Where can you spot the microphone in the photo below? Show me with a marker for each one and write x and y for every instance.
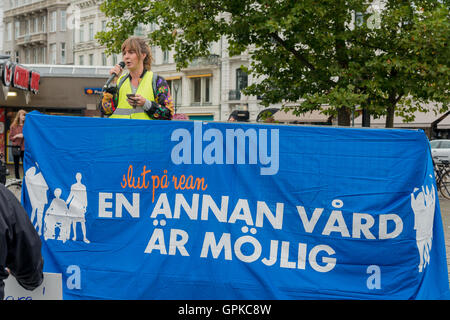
(111, 78)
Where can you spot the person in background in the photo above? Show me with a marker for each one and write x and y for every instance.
(20, 245)
(135, 96)
(18, 142)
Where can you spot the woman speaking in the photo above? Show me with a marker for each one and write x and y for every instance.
(138, 94)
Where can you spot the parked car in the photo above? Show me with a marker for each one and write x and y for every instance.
(440, 150)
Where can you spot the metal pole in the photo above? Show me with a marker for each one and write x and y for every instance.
(175, 88)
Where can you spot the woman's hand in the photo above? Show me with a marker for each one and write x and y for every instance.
(18, 136)
(137, 101)
(116, 70)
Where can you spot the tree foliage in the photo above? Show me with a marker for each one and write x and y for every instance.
(310, 52)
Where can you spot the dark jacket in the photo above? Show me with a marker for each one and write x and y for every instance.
(20, 245)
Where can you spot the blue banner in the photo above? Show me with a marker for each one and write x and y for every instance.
(132, 209)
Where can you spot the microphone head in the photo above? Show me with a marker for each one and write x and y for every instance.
(122, 64)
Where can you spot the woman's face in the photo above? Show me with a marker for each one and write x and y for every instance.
(132, 60)
(22, 117)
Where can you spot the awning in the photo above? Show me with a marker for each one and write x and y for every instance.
(173, 78)
(200, 75)
(422, 120)
(310, 117)
(200, 114)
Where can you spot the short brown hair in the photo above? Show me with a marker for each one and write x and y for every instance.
(140, 46)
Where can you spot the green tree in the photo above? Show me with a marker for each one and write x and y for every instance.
(310, 52)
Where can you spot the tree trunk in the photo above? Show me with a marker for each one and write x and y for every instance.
(392, 101)
(344, 113)
(390, 116)
(344, 117)
(365, 117)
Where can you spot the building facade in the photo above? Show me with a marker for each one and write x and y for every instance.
(1, 25)
(208, 89)
(59, 32)
(36, 31)
(89, 20)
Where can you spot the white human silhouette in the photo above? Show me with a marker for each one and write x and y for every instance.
(77, 202)
(423, 206)
(37, 192)
(56, 217)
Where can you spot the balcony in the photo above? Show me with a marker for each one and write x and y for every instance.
(32, 39)
(32, 7)
(211, 60)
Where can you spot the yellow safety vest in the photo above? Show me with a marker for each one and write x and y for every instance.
(124, 109)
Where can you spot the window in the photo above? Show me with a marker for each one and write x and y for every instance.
(53, 53)
(165, 56)
(27, 27)
(81, 33)
(207, 95)
(35, 56)
(103, 59)
(91, 31)
(241, 79)
(44, 24)
(114, 58)
(63, 20)
(445, 145)
(81, 60)
(197, 87)
(201, 90)
(359, 19)
(36, 25)
(9, 31)
(53, 21)
(43, 55)
(104, 25)
(27, 55)
(63, 53)
(139, 31)
(17, 57)
(91, 59)
(435, 143)
(16, 29)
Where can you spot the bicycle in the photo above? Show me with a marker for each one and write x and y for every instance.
(442, 173)
(15, 186)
